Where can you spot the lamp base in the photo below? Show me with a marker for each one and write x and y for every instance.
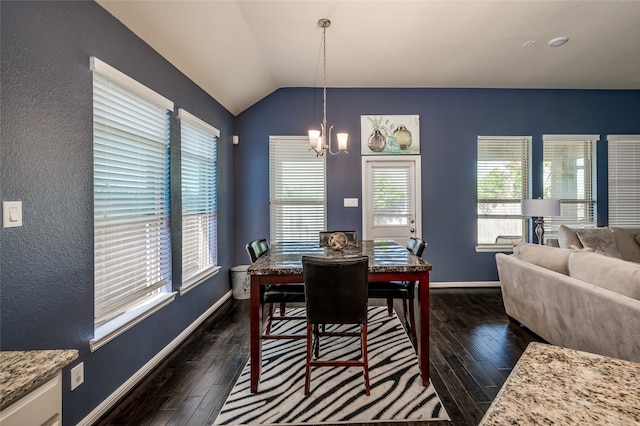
(540, 230)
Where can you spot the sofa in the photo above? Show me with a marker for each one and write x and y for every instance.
(580, 297)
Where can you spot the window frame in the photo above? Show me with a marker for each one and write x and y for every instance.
(524, 147)
(204, 202)
(296, 148)
(552, 224)
(623, 180)
(117, 320)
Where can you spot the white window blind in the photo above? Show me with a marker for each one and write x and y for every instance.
(569, 175)
(624, 180)
(132, 253)
(297, 190)
(392, 194)
(502, 182)
(199, 197)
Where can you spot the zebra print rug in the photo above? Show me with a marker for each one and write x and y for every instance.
(337, 393)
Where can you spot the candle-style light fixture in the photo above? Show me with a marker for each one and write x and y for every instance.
(320, 140)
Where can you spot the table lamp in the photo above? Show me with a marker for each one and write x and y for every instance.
(540, 208)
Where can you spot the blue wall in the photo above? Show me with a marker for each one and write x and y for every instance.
(46, 159)
(450, 121)
(46, 266)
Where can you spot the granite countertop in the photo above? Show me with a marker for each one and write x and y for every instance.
(22, 371)
(285, 258)
(554, 385)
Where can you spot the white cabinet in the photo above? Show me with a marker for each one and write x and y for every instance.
(40, 407)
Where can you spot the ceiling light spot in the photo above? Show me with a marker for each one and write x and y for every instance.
(558, 41)
(529, 43)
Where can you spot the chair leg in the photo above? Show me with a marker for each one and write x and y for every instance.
(307, 375)
(316, 339)
(390, 306)
(365, 359)
(412, 318)
(267, 330)
(283, 308)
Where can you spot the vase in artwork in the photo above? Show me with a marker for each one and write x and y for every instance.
(377, 141)
(403, 136)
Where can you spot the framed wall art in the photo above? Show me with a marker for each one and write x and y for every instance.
(390, 134)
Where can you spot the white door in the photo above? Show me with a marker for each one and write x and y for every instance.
(391, 198)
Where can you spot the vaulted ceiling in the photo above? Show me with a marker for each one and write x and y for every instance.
(240, 51)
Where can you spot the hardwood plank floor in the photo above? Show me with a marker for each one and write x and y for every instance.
(474, 346)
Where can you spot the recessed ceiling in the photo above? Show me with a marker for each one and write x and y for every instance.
(240, 51)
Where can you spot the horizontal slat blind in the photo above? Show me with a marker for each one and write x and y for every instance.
(502, 182)
(199, 196)
(297, 190)
(132, 253)
(392, 194)
(624, 180)
(569, 167)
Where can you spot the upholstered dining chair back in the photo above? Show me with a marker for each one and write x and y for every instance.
(416, 246)
(336, 289)
(257, 248)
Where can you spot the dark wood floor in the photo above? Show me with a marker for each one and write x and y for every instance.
(473, 349)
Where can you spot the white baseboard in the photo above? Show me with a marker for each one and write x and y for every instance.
(467, 284)
(119, 393)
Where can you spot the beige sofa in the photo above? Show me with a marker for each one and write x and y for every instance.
(575, 298)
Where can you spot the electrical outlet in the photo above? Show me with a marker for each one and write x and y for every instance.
(77, 375)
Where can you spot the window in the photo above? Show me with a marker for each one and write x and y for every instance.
(502, 182)
(569, 175)
(199, 223)
(624, 180)
(132, 251)
(297, 190)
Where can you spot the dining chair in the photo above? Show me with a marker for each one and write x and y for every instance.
(404, 290)
(335, 294)
(280, 294)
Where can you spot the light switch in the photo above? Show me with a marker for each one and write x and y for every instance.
(351, 202)
(11, 214)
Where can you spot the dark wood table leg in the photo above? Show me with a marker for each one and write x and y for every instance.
(255, 314)
(423, 339)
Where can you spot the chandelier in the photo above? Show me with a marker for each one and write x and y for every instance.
(320, 140)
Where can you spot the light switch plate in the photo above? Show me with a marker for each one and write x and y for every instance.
(351, 202)
(11, 214)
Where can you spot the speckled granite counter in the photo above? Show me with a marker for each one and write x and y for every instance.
(553, 385)
(22, 371)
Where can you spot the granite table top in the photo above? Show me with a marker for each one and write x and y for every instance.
(551, 385)
(285, 258)
(22, 371)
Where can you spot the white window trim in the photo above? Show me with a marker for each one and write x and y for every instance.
(111, 329)
(203, 275)
(505, 248)
(115, 327)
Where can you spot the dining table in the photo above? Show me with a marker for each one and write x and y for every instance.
(388, 261)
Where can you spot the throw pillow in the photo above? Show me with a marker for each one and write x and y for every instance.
(638, 239)
(601, 240)
(553, 258)
(567, 237)
(626, 244)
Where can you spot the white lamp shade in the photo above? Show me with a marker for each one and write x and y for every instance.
(342, 141)
(540, 208)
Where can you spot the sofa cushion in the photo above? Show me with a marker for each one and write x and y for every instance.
(638, 239)
(553, 258)
(567, 237)
(612, 274)
(601, 240)
(627, 246)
